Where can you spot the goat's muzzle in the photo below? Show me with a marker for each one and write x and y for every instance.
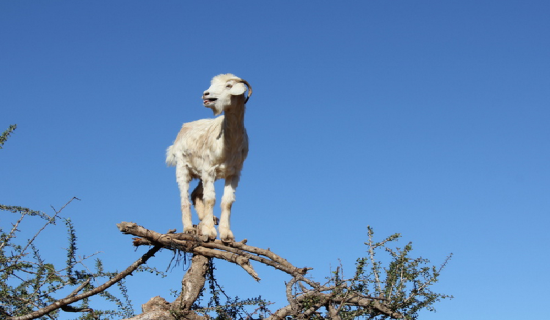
(207, 101)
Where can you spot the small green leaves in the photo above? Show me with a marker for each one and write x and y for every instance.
(5, 135)
(29, 282)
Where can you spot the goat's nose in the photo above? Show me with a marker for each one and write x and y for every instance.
(206, 93)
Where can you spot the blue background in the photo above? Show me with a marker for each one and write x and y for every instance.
(428, 118)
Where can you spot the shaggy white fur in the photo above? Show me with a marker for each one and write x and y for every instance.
(212, 149)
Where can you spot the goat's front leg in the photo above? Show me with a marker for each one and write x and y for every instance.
(206, 227)
(227, 201)
(183, 178)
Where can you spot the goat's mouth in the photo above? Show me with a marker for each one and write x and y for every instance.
(209, 101)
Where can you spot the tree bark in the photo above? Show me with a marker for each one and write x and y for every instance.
(192, 283)
(159, 309)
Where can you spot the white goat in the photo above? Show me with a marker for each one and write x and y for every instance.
(212, 149)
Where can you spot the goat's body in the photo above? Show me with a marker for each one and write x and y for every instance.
(205, 144)
(209, 150)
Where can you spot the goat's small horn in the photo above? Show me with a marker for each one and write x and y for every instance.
(249, 89)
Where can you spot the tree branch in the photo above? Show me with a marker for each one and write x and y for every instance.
(235, 252)
(74, 298)
(192, 283)
(326, 298)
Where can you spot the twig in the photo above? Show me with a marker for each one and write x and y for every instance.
(374, 264)
(50, 221)
(10, 235)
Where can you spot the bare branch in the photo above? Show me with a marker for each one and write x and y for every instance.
(80, 287)
(192, 283)
(235, 252)
(325, 298)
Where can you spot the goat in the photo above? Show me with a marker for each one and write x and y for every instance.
(212, 149)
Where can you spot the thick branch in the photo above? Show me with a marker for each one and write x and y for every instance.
(328, 298)
(192, 283)
(159, 309)
(236, 252)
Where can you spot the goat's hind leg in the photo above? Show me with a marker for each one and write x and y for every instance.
(206, 227)
(198, 202)
(197, 199)
(183, 178)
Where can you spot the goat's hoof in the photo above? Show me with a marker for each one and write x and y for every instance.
(226, 238)
(207, 233)
(190, 230)
(228, 241)
(206, 238)
(208, 230)
(226, 235)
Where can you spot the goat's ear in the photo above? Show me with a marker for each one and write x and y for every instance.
(238, 89)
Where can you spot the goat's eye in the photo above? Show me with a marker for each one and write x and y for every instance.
(229, 86)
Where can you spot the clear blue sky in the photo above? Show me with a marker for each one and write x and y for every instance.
(428, 118)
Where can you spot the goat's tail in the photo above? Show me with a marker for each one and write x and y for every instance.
(170, 156)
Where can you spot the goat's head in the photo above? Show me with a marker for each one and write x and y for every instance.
(226, 91)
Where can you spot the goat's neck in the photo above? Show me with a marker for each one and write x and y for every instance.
(233, 126)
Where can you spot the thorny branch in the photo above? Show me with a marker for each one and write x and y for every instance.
(301, 305)
(77, 297)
